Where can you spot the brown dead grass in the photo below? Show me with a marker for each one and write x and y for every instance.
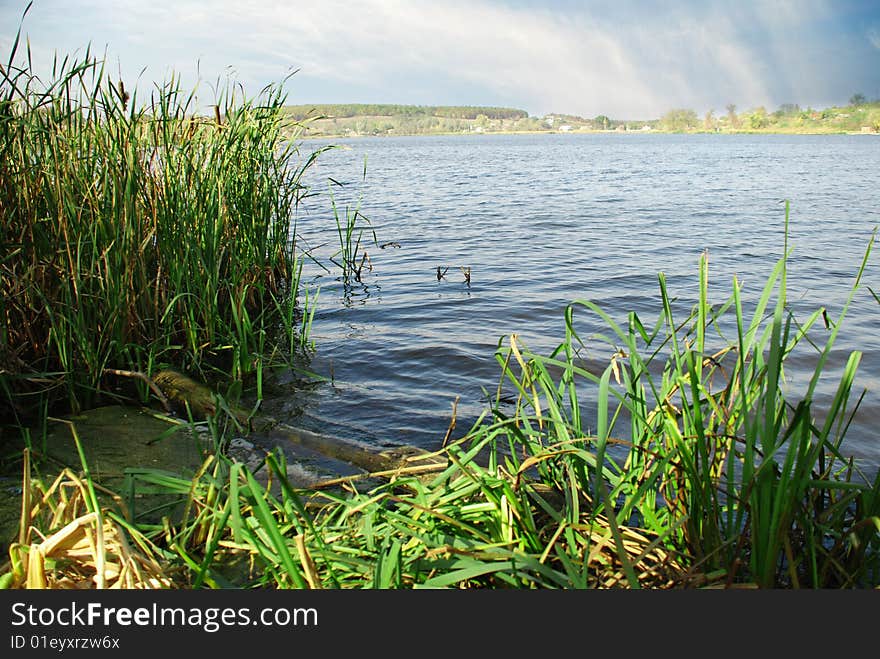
(84, 549)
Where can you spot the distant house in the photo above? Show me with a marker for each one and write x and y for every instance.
(565, 128)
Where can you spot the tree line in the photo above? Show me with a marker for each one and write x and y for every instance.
(347, 110)
(859, 115)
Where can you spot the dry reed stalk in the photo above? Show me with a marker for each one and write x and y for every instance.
(655, 567)
(88, 549)
(311, 571)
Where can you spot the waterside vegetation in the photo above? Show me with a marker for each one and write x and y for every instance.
(692, 469)
(135, 233)
(860, 116)
(134, 236)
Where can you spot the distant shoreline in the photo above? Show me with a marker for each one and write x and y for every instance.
(305, 136)
(359, 120)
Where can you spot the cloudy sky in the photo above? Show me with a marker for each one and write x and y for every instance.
(624, 58)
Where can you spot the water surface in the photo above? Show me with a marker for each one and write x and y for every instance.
(542, 220)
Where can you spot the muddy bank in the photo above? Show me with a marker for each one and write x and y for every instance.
(120, 442)
(113, 438)
(119, 439)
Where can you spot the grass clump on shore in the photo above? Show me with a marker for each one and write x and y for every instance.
(737, 477)
(135, 231)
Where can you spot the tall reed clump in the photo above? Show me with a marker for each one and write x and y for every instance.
(136, 230)
(743, 480)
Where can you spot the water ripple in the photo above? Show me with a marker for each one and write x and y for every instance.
(544, 220)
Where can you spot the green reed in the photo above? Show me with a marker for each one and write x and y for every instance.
(135, 230)
(471, 524)
(742, 479)
(351, 225)
(695, 470)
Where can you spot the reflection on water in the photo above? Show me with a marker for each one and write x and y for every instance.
(543, 220)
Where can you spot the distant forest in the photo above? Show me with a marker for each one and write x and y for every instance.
(329, 111)
(353, 119)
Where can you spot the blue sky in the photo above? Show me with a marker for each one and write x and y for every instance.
(622, 58)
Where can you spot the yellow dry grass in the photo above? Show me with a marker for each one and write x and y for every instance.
(83, 548)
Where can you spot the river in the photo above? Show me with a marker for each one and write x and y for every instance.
(542, 220)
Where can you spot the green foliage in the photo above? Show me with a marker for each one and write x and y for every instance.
(736, 477)
(136, 231)
(758, 118)
(787, 110)
(353, 120)
(529, 124)
(602, 122)
(361, 119)
(350, 227)
(568, 119)
(680, 119)
(709, 121)
(732, 118)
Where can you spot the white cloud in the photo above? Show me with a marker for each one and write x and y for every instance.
(874, 38)
(617, 60)
(551, 61)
